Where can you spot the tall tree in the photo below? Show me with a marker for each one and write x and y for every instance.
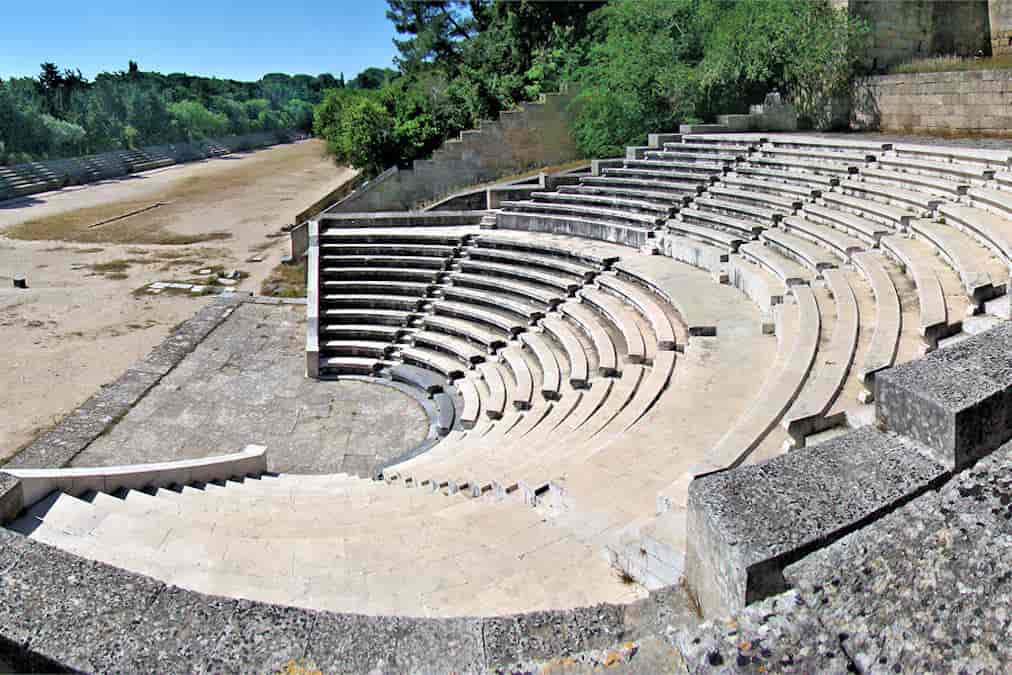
(435, 28)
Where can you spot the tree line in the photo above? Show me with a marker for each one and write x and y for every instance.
(639, 66)
(60, 113)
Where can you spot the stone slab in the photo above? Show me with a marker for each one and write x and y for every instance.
(745, 525)
(957, 401)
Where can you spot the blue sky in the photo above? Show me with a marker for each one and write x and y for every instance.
(242, 39)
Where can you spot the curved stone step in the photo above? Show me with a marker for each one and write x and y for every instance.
(621, 395)
(659, 174)
(949, 187)
(964, 171)
(967, 258)
(808, 413)
(544, 262)
(461, 348)
(994, 230)
(471, 409)
(385, 317)
(535, 292)
(707, 235)
(670, 199)
(528, 310)
(673, 187)
(524, 394)
(706, 166)
(796, 194)
(577, 226)
(895, 217)
(511, 325)
(621, 317)
(366, 348)
(866, 230)
(418, 275)
(372, 301)
(375, 287)
(737, 226)
(888, 321)
(362, 331)
(450, 367)
(917, 260)
(569, 284)
(495, 405)
(610, 200)
(787, 271)
(491, 338)
(556, 207)
(648, 392)
(811, 181)
(349, 365)
(808, 254)
(398, 249)
(922, 203)
(769, 202)
(336, 262)
(840, 245)
(564, 334)
(590, 324)
(647, 304)
(688, 153)
(551, 374)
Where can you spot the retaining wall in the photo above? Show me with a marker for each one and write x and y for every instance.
(22, 180)
(974, 102)
(535, 135)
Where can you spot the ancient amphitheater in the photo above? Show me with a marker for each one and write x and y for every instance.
(744, 396)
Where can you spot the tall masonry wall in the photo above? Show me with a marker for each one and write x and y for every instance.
(537, 134)
(1000, 14)
(908, 29)
(977, 102)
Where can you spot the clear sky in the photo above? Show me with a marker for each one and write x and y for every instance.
(242, 39)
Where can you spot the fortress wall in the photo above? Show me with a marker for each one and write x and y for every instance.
(536, 135)
(975, 102)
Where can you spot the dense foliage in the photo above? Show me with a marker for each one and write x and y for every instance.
(61, 114)
(639, 65)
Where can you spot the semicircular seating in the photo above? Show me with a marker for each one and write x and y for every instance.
(711, 302)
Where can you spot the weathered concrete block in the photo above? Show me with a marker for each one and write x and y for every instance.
(747, 524)
(957, 401)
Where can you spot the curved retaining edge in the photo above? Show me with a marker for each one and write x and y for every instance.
(37, 483)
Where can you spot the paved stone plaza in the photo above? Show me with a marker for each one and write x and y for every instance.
(245, 384)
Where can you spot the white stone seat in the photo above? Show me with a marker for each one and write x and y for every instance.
(514, 359)
(400, 249)
(921, 203)
(569, 284)
(814, 257)
(622, 394)
(399, 236)
(768, 160)
(796, 194)
(491, 338)
(959, 171)
(993, 228)
(564, 334)
(619, 315)
(967, 258)
(756, 282)
(948, 153)
(806, 179)
(837, 144)
(450, 367)
(375, 287)
(576, 225)
(708, 235)
(614, 202)
(363, 331)
(361, 347)
(417, 275)
(737, 209)
(405, 303)
(669, 199)
(788, 271)
(495, 404)
(771, 202)
(839, 244)
(676, 188)
(510, 325)
(351, 365)
(544, 353)
(557, 207)
(459, 347)
(781, 387)
(888, 321)
(949, 186)
(685, 153)
(807, 415)
(646, 174)
(918, 260)
(807, 154)
(868, 231)
(648, 392)
(590, 324)
(695, 166)
(471, 409)
(892, 216)
(528, 309)
(537, 293)
(365, 315)
(647, 304)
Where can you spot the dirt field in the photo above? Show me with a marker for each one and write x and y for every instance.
(81, 322)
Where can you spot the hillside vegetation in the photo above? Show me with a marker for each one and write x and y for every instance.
(62, 114)
(639, 65)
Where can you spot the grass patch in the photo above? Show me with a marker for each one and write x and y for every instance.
(942, 64)
(286, 281)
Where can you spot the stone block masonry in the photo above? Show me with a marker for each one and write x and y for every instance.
(962, 102)
(535, 135)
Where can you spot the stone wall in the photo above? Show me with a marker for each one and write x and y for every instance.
(906, 29)
(535, 135)
(974, 102)
(1000, 13)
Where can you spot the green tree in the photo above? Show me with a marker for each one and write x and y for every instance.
(195, 122)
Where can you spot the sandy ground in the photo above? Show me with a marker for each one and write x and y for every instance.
(80, 324)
